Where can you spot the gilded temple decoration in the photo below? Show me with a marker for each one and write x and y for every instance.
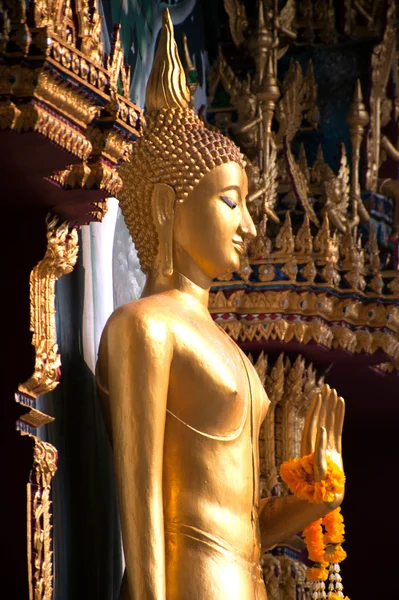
(73, 95)
(190, 70)
(362, 18)
(315, 278)
(39, 521)
(238, 20)
(314, 259)
(376, 283)
(357, 120)
(289, 109)
(337, 191)
(290, 388)
(299, 183)
(63, 100)
(382, 58)
(312, 22)
(60, 258)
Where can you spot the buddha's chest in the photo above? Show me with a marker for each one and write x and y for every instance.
(213, 387)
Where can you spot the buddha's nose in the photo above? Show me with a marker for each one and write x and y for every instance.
(247, 226)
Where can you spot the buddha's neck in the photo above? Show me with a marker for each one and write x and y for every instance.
(157, 282)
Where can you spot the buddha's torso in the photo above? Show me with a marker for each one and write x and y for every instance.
(215, 407)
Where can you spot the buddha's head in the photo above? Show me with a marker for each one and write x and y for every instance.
(185, 185)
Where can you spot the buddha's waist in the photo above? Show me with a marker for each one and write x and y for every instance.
(248, 560)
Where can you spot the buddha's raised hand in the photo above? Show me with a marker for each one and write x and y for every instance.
(322, 434)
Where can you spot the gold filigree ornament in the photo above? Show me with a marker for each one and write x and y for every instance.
(59, 259)
(381, 63)
(299, 183)
(40, 576)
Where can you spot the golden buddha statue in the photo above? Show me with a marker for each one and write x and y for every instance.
(182, 403)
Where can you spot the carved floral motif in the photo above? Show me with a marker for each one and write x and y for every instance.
(59, 259)
(39, 521)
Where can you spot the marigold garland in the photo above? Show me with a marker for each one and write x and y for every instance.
(324, 546)
(298, 474)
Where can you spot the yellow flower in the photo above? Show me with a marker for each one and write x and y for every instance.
(317, 573)
(298, 474)
(324, 547)
(335, 529)
(313, 535)
(334, 553)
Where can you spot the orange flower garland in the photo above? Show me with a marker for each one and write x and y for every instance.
(298, 474)
(313, 535)
(324, 547)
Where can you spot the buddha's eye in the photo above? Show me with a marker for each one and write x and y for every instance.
(229, 201)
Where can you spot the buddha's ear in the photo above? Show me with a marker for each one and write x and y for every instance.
(163, 212)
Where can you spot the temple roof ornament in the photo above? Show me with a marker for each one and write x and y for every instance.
(57, 83)
(311, 251)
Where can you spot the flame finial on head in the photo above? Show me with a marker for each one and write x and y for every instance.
(167, 87)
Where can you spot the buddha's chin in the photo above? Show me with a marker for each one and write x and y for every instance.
(233, 266)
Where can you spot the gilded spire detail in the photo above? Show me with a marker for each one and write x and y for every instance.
(167, 86)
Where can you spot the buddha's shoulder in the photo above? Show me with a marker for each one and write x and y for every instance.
(149, 315)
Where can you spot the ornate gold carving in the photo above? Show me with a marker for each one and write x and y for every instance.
(294, 382)
(309, 99)
(289, 109)
(35, 117)
(327, 253)
(376, 283)
(337, 189)
(285, 242)
(115, 66)
(68, 86)
(318, 168)
(353, 260)
(9, 114)
(237, 20)
(190, 71)
(381, 62)
(325, 314)
(272, 576)
(89, 31)
(247, 127)
(357, 120)
(99, 210)
(59, 95)
(274, 384)
(318, 304)
(59, 259)
(290, 389)
(303, 239)
(293, 582)
(39, 521)
(299, 183)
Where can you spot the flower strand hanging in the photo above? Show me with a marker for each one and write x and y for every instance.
(324, 537)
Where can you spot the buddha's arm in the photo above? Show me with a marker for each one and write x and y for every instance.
(139, 353)
(283, 516)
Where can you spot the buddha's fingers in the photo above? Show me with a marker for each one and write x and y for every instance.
(310, 427)
(320, 456)
(339, 422)
(325, 396)
(330, 419)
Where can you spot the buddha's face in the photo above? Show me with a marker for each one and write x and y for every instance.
(212, 225)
